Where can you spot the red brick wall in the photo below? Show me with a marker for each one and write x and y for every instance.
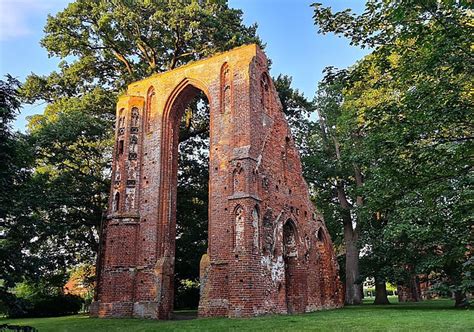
(256, 187)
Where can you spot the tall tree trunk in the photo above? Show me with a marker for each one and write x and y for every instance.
(380, 292)
(415, 288)
(460, 297)
(410, 292)
(461, 300)
(353, 291)
(353, 294)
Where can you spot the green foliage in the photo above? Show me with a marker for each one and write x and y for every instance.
(186, 295)
(42, 299)
(336, 179)
(9, 103)
(391, 291)
(105, 45)
(327, 168)
(192, 204)
(81, 282)
(72, 142)
(16, 215)
(113, 43)
(407, 121)
(297, 110)
(383, 23)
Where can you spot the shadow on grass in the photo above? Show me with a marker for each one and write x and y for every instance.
(439, 304)
(184, 314)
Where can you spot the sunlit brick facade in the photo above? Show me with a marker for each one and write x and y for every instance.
(268, 248)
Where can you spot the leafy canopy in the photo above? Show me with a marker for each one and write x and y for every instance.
(407, 121)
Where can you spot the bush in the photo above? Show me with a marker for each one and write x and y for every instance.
(186, 295)
(45, 306)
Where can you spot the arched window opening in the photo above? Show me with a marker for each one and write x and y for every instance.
(290, 255)
(116, 203)
(120, 121)
(265, 90)
(120, 147)
(150, 108)
(238, 179)
(289, 239)
(256, 227)
(134, 119)
(320, 235)
(188, 133)
(226, 92)
(239, 227)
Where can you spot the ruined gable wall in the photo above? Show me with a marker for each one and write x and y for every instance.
(284, 194)
(257, 262)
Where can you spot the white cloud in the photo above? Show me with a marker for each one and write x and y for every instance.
(17, 16)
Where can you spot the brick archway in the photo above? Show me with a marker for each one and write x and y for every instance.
(255, 185)
(167, 195)
(294, 290)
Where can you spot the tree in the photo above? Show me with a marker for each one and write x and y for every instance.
(72, 141)
(16, 217)
(105, 45)
(297, 110)
(410, 101)
(113, 43)
(336, 178)
(109, 44)
(9, 107)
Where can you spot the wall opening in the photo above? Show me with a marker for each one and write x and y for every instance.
(265, 91)
(192, 197)
(120, 148)
(116, 203)
(290, 256)
(320, 235)
(150, 109)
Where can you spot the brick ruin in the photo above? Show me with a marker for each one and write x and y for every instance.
(268, 248)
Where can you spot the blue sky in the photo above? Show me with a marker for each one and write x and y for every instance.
(286, 26)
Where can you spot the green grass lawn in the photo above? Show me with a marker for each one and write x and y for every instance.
(435, 315)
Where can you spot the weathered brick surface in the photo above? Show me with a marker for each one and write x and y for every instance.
(269, 250)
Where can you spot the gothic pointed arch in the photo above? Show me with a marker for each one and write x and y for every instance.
(265, 90)
(290, 239)
(255, 249)
(226, 88)
(239, 226)
(150, 109)
(116, 202)
(256, 228)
